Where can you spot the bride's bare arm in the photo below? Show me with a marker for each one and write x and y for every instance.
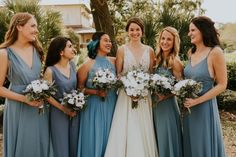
(152, 60)
(119, 60)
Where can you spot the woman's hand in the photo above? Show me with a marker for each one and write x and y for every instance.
(101, 93)
(69, 112)
(161, 97)
(33, 103)
(189, 102)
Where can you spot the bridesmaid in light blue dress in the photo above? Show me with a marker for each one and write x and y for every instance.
(202, 129)
(61, 70)
(166, 112)
(95, 120)
(25, 132)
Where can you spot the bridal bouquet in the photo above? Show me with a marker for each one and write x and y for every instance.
(104, 79)
(136, 84)
(75, 100)
(39, 90)
(187, 88)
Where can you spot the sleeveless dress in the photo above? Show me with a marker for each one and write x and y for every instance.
(95, 120)
(132, 132)
(25, 132)
(64, 131)
(202, 129)
(167, 123)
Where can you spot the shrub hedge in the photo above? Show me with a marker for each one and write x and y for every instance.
(231, 69)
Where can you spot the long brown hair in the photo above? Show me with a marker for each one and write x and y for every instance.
(20, 19)
(168, 63)
(210, 36)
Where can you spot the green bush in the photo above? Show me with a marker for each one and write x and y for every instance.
(231, 70)
(227, 100)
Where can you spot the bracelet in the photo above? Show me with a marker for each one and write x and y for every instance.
(83, 90)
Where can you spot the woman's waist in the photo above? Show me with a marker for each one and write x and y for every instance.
(18, 88)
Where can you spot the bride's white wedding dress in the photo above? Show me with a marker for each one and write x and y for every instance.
(132, 132)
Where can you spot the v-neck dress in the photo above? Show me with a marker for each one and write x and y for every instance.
(64, 130)
(167, 124)
(132, 131)
(25, 132)
(202, 129)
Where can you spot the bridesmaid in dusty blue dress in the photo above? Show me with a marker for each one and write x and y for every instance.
(61, 70)
(95, 120)
(165, 111)
(202, 129)
(25, 132)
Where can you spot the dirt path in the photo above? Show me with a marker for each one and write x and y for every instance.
(229, 130)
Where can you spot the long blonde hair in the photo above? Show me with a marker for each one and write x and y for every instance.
(169, 61)
(20, 19)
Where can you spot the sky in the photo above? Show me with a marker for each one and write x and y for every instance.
(222, 11)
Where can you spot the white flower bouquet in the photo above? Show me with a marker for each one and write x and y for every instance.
(187, 88)
(136, 85)
(104, 79)
(75, 100)
(39, 90)
(161, 85)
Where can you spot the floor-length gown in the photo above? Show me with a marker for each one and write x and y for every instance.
(25, 131)
(167, 123)
(65, 131)
(96, 118)
(132, 132)
(202, 129)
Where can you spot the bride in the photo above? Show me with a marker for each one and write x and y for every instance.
(132, 131)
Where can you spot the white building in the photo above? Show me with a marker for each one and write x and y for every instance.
(76, 14)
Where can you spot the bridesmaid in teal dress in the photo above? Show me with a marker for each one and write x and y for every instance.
(165, 111)
(202, 129)
(25, 132)
(95, 120)
(62, 71)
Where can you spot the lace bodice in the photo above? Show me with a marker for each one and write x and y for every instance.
(130, 61)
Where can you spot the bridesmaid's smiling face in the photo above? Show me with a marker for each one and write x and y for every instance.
(69, 51)
(105, 44)
(166, 41)
(29, 31)
(194, 34)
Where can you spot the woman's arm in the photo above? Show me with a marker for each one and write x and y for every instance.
(152, 60)
(6, 93)
(119, 61)
(178, 69)
(82, 76)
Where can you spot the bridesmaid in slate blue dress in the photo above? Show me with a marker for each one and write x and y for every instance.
(166, 112)
(25, 132)
(61, 70)
(202, 129)
(95, 120)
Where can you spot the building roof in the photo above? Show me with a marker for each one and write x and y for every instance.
(64, 2)
(85, 30)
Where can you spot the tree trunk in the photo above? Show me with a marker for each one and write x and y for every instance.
(103, 21)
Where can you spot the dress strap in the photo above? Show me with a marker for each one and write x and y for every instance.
(210, 51)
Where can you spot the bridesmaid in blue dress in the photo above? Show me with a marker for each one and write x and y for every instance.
(202, 129)
(166, 112)
(95, 120)
(25, 132)
(61, 70)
